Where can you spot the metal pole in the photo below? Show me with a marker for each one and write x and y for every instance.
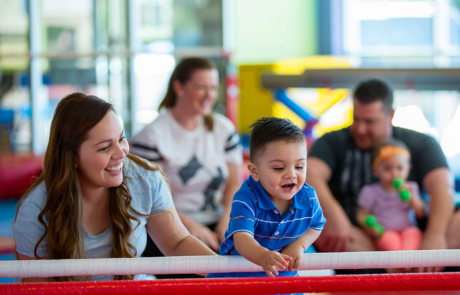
(134, 45)
(37, 100)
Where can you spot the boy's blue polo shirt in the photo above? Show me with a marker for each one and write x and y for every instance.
(254, 212)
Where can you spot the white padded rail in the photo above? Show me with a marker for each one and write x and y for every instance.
(222, 264)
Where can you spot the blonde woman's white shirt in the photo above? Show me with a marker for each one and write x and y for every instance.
(195, 162)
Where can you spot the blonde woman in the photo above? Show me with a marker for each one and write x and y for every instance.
(198, 150)
(94, 199)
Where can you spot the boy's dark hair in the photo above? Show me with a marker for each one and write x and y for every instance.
(374, 90)
(269, 129)
(391, 142)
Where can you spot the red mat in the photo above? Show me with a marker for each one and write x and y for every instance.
(428, 283)
(17, 172)
(6, 245)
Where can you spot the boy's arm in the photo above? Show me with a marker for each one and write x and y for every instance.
(250, 249)
(296, 248)
(308, 238)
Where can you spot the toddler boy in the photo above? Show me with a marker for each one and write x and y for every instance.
(275, 215)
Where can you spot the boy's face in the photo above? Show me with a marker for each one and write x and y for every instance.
(389, 169)
(281, 169)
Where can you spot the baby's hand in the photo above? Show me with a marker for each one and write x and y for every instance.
(414, 200)
(272, 259)
(418, 205)
(414, 197)
(294, 250)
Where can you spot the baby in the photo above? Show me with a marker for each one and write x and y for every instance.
(275, 216)
(384, 210)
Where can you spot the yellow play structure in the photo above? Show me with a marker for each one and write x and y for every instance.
(257, 101)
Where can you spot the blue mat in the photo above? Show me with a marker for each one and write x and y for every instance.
(6, 257)
(7, 213)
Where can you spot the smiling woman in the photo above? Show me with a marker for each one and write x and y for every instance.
(198, 150)
(94, 200)
(97, 165)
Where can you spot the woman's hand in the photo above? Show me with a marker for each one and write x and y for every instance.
(233, 184)
(221, 227)
(204, 234)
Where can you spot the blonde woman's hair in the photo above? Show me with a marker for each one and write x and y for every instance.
(182, 73)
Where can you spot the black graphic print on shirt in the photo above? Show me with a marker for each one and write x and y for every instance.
(210, 191)
(189, 170)
(192, 167)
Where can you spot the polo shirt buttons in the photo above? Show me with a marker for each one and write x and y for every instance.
(277, 233)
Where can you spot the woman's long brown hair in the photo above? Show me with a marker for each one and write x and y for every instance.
(75, 115)
(182, 73)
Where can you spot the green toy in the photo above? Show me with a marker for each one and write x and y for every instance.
(404, 194)
(371, 222)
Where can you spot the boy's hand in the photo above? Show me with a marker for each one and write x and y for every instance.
(294, 250)
(272, 259)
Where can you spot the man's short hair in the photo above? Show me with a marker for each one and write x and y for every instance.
(271, 129)
(373, 90)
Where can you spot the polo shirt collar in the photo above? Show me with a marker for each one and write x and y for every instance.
(301, 200)
(263, 200)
